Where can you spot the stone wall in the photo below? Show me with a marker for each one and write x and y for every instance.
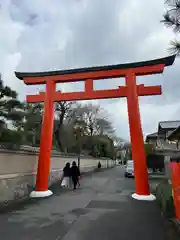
(18, 172)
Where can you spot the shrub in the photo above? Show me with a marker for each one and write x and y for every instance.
(10, 138)
(165, 199)
(155, 161)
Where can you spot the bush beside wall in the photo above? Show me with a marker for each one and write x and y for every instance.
(155, 161)
(165, 199)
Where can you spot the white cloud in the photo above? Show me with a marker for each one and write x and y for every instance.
(150, 116)
(47, 35)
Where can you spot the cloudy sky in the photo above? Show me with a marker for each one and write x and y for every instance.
(46, 35)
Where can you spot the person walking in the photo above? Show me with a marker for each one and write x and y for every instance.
(66, 175)
(79, 177)
(75, 174)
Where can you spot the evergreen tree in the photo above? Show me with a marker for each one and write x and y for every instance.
(10, 106)
(32, 122)
(172, 19)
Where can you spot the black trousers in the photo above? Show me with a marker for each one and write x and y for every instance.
(75, 181)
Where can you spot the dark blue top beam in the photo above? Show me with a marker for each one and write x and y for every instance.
(167, 61)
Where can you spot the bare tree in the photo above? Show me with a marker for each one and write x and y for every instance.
(172, 19)
(63, 111)
(119, 142)
(87, 115)
(104, 127)
(33, 120)
(93, 119)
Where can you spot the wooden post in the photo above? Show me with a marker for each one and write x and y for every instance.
(137, 141)
(42, 178)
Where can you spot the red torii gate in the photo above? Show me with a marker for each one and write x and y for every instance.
(131, 91)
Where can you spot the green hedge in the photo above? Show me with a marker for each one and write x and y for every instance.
(165, 199)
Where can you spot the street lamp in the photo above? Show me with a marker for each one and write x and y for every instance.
(78, 132)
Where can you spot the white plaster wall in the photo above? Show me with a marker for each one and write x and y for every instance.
(18, 172)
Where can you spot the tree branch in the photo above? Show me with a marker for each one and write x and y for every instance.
(175, 47)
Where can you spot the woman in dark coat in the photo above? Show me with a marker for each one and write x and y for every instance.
(66, 175)
(75, 174)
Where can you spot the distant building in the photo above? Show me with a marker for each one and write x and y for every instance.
(152, 138)
(167, 134)
(167, 137)
(165, 128)
(174, 136)
(123, 151)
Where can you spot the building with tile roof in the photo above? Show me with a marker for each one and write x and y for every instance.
(174, 135)
(152, 138)
(165, 128)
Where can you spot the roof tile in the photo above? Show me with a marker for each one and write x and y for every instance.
(169, 124)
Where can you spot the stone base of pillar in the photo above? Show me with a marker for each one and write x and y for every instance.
(40, 194)
(150, 197)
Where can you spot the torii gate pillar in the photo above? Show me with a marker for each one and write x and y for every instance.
(45, 144)
(137, 141)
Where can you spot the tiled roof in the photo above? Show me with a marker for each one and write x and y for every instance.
(169, 124)
(152, 135)
(174, 134)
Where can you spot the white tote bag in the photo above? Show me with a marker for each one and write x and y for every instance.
(65, 182)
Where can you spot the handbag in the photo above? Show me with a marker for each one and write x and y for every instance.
(64, 182)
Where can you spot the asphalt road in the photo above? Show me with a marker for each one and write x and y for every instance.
(101, 209)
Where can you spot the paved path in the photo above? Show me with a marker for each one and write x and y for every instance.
(101, 209)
